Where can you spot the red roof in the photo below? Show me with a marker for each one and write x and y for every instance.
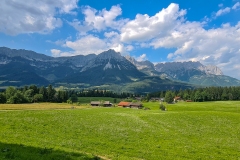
(123, 104)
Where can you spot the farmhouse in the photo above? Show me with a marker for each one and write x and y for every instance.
(135, 105)
(124, 104)
(107, 104)
(130, 104)
(95, 103)
(177, 99)
(155, 99)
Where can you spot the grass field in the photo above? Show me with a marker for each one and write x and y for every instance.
(208, 130)
(40, 106)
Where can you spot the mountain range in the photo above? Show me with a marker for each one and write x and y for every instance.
(108, 70)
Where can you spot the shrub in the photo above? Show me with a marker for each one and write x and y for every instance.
(69, 101)
(162, 107)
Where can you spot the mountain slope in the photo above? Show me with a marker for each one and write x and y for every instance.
(107, 67)
(189, 72)
(18, 73)
(108, 70)
(214, 80)
(146, 67)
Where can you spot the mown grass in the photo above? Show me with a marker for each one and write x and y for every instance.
(208, 130)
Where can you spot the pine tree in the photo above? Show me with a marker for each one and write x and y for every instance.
(169, 97)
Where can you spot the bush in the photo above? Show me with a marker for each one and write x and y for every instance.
(69, 101)
(162, 107)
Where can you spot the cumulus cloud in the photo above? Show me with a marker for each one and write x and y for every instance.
(110, 34)
(214, 46)
(31, 16)
(87, 45)
(92, 44)
(99, 20)
(166, 29)
(144, 27)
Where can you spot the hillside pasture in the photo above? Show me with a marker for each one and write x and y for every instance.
(208, 130)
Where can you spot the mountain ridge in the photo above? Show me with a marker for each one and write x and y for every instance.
(106, 69)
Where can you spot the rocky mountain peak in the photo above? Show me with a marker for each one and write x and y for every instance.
(174, 66)
(110, 54)
(210, 69)
(140, 64)
(110, 60)
(27, 54)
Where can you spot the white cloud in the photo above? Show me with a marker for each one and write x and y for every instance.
(32, 16)
(220, 5)
(92, 44)
(236, 6)
(59, 53)
(166, 29)
(110, 34)
(144, 28)
(223, 11)
(99, 20)
(56, 52)
(141, 58)
(87, 45)
(214, 46)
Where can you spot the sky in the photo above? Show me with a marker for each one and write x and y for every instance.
(156, 30)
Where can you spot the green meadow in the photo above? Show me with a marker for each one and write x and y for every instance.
(207, 130)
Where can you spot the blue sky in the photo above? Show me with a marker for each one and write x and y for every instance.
(159, 31)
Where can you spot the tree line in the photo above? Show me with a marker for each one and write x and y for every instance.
(103, 93)
(201, 94)
(32, 93)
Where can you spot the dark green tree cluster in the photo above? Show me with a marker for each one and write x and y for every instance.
(31, 94)
(201, 94)
(103, 93)
(169, 96)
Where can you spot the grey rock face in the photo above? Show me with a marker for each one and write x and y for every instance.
(210, 69)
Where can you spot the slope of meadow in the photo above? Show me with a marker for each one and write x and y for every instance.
(185, 131)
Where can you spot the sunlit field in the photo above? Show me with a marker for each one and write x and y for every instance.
(208, 130)
(40, 106)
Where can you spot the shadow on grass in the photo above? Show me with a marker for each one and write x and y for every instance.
(22, 152)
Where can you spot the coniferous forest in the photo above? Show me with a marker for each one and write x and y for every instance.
(32, 93)
(202, 94)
